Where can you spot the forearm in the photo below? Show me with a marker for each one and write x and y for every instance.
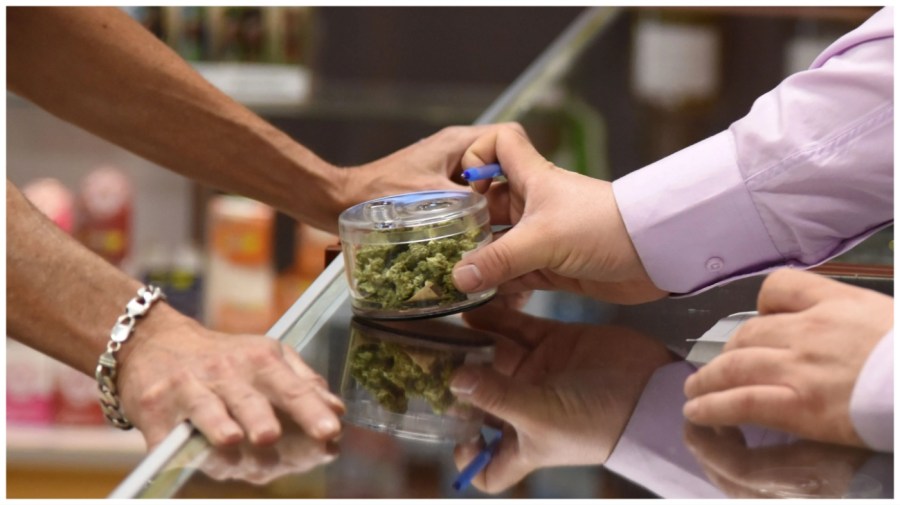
(99, 69)
(62, 299)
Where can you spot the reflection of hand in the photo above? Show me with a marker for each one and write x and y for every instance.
(226, 385)
(802, 469)
(425, 165)
(294, 453)
(794, 367)
(564, 392)
(567, 231)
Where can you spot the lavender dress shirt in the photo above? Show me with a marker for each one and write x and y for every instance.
(806, 175)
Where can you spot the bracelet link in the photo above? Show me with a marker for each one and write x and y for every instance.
(107, 365)
(121, 331)
(137, 307)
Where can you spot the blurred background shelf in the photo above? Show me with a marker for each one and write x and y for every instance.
(85, 447)
(69, 461)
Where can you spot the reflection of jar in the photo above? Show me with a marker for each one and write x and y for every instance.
(397, 378)
(400, 252)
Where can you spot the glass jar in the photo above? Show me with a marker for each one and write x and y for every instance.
(400, 252)
(396, 378)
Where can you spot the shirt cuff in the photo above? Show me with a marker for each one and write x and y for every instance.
(692, 219)
(872, 401)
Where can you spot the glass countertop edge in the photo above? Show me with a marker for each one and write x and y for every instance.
(153, 463)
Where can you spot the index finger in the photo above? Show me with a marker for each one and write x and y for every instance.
(507, 146)
(301, 397)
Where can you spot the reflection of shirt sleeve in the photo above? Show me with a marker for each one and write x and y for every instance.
(651, 450)
(872, 402)
(804, 176)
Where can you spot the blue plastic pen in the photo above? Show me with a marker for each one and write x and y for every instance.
(477, 465)
(483, 172)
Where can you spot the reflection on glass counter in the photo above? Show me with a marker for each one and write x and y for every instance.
(396, 379)
(590, 395)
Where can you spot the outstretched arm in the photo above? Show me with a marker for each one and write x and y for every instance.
(101, 70)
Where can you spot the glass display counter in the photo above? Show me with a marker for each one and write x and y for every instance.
(586, 369)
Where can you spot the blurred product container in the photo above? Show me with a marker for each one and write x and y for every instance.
(240, 279)
(179, 273)
(231, 34)
(811, 37)
(75, 398)
(106, 207)
(29, 385)
(54, 200)
(676, 76)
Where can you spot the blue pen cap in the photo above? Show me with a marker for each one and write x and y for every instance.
(400, 251)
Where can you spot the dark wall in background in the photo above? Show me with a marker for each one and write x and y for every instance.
(434, 44)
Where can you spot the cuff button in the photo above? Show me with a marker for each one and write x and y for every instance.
(714, 264)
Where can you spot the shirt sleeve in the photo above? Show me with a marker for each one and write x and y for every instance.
(872, 401)
(806, 175)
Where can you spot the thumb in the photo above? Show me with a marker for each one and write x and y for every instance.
(494, 393)
(516, 253)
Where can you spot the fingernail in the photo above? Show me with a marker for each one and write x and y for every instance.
(467, 278)
(688, 384)
(464, 382)
(326, 427)
(690, 408)
(231, 435)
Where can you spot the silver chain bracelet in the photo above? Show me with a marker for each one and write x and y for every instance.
(107, 367)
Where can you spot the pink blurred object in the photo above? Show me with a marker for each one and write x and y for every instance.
(106, 202)
(29, 385)
(54, 200)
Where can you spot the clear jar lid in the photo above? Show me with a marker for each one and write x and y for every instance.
(412, 212)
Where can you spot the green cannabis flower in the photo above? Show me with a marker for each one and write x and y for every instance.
(393, 373)
(408, 275)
